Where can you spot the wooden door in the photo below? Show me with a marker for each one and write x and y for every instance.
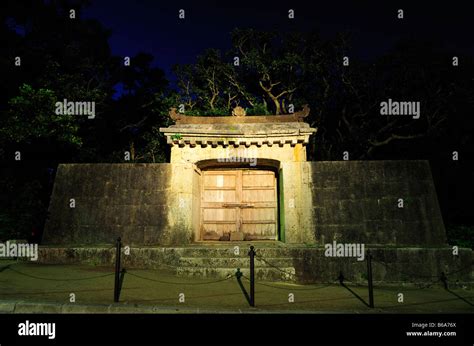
(239, 205)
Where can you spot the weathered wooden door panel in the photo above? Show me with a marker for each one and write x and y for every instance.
(259, 190)
(239, 201)
(219, 189)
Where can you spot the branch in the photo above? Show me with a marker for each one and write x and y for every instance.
(140, 123)
(285, 92)
(267, 89)
(393, 137)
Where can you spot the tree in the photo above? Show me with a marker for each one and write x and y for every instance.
(207, 85)
(142, 107)
(31, 116)
(402, 75)
(274, 62)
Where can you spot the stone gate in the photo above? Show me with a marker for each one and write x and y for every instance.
(237, 179)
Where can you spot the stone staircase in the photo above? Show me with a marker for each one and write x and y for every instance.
(311, 264)
(221, 262)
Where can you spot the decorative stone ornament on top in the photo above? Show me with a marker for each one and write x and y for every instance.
(239, 112)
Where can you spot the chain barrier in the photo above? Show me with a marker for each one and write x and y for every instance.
(290, 288)
(53, 279)
(274, 266)
(180, 283)
(443, 277)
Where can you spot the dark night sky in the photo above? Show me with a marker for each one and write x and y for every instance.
(154, 27)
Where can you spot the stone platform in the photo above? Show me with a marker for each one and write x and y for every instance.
(280, 262)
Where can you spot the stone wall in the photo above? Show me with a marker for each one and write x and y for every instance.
(357, 201)
(344, 201)
(134, 201)
(159, 204)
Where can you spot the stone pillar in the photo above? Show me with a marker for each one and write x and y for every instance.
(181, 201)
(299, 218)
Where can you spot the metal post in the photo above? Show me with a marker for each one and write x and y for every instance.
(252, 276)
(118, 250)
(341, 278)
(444, 280)
(369, 279)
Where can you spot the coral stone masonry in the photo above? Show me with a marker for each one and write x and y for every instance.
(239, 179)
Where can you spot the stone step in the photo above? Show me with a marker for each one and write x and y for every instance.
(265, 252)
(236, 262)
(264, 274)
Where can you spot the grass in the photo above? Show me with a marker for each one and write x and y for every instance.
(27, 282)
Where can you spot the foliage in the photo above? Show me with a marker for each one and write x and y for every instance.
(31, 115)
(258, 109)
